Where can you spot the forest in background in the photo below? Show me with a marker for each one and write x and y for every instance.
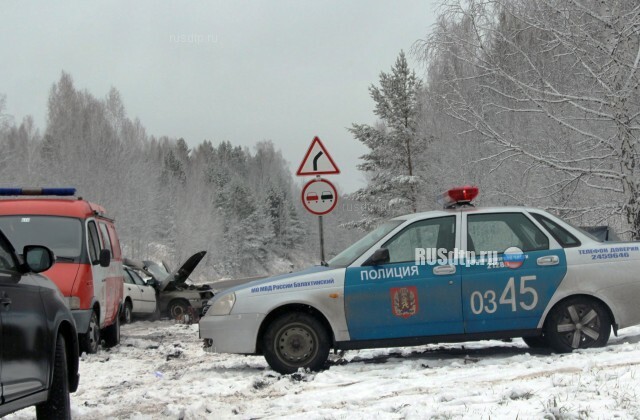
(536, 102)
(169, 201)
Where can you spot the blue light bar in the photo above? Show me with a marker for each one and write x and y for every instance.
(38, 191)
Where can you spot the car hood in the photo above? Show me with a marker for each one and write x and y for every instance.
(181, 275)
(258, 282)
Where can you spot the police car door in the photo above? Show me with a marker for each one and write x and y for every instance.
(511, 292)
(401, 299)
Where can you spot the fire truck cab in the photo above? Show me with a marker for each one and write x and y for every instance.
(88, 269)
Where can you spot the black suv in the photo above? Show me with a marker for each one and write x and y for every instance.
(38, 340)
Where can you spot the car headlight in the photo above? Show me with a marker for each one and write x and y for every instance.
(222, 306)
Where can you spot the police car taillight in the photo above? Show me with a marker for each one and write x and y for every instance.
(65, 192)
(459, 196)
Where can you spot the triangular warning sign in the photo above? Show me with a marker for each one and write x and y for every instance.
(317, 161)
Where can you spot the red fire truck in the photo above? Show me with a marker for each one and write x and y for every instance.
(88, 267)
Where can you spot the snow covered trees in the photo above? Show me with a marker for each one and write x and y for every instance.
(169, 201)
(394, 144)
(546, 95)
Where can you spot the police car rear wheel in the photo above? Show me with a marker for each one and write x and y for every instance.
(578, 323)
(295, 340)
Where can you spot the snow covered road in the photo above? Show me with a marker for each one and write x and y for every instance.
(160, 371)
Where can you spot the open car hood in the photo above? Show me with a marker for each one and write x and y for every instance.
(180, 275)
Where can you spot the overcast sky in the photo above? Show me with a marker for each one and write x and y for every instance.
(242, 71)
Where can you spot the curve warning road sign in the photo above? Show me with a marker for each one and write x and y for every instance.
(317, 161)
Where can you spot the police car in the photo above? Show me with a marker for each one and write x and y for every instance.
(460, 274)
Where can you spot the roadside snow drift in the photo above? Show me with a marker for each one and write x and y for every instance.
(161, 371)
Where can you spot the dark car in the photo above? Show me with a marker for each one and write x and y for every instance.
(326, 195)
(39, 343)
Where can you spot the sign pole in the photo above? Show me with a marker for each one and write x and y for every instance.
(321, 239)
(319, 196)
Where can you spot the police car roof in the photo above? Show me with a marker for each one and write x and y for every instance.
(582, 236)
(465, 209)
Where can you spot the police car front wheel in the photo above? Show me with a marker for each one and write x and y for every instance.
(295, 340)
(577, 323)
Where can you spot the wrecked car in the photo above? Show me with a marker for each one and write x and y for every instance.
(176, 296)
(139, 296)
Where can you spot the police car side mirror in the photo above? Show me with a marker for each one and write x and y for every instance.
(38, 258)
(105, 258)
(381, 256)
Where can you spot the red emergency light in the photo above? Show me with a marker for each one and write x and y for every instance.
(459, 196)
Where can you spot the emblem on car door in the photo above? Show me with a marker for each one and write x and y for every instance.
(404, 301)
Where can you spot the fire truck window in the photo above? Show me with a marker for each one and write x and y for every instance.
(106, 242)
(116, 253)
(94, 242)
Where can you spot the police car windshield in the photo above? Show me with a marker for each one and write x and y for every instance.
(349, 255)
(63, 235)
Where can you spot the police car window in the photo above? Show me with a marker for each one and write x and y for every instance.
(564, 238)
(94, 242)
(106, 242)
(432, 233)
(349, 255)
(498, 231)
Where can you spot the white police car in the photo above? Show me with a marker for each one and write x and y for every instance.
(521, 273)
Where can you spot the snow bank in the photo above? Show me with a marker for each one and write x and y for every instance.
(161, 371)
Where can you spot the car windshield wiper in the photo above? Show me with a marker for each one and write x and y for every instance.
(62, 258)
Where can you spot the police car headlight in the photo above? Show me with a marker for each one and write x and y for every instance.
(223, 306)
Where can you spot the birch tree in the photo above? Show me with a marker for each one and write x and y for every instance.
(553, 86)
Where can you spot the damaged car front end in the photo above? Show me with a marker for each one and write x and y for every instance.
(177, 297)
